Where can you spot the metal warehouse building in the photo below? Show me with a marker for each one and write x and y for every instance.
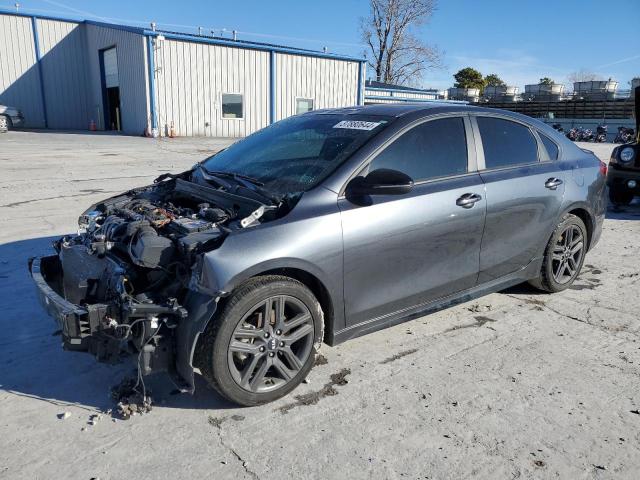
(69, 74)
(379, 92)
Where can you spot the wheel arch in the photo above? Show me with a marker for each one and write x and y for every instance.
(313, 283)
(583, 214)
(308, 274)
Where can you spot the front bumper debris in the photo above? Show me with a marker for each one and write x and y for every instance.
(73, 320)
(89, 327)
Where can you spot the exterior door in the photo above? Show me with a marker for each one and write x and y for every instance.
(401, 251)
(524, 190)
(111, 89)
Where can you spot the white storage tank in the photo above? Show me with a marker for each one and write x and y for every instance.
(596, 89)
(502, 93)
(544, 92)
(468, 94)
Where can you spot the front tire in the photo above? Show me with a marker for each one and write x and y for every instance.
(563, 256)
(262, 344)
(620, 197)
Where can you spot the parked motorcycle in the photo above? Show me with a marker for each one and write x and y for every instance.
(601, 134)
(573, 134)
(586, 135)
(625, 135)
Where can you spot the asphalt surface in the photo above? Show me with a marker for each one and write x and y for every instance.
(515, 385)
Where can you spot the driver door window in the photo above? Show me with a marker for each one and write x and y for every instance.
(434, 149)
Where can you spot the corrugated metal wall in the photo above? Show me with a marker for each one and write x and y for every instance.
(19, 76)
(330, 83)
(63, 51)
(191, 78)
(132, 73)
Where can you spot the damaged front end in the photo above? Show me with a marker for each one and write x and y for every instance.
(129, 281)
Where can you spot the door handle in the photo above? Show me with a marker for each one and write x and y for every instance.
(553, 183)
(468, 200)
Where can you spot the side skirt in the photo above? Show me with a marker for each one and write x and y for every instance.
(379, 323)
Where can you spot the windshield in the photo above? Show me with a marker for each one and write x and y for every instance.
(296, 154)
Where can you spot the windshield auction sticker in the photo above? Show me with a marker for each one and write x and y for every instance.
(356, 125)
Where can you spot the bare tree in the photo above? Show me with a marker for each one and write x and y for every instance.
(394, 51)
(583, 76)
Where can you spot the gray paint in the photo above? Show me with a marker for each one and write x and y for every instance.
(379, 263)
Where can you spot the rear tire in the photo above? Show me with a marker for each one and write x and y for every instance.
(250, 361)
(563, 255)
(620, 197)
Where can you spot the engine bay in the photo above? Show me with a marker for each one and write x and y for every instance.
(131, 264)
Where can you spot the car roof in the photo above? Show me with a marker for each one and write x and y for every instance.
(392, 109)
(424, 109)
(402, 109)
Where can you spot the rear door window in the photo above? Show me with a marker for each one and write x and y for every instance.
(437, 148)
(506, 143)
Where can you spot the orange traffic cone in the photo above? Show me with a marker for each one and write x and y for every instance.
(92, 125)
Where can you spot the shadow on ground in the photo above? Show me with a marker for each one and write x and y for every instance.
(33, 363)
(630, 212)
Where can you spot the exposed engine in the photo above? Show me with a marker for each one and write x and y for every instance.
(131, 264)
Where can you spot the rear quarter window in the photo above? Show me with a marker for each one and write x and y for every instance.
(550, 146)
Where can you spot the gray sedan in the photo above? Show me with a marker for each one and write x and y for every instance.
(321, 228)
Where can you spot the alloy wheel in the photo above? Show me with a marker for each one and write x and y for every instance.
(567, 255)
(271, 344)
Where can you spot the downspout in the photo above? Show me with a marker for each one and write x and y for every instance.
(360, 73)
(152, 87)
(36, 42)
(272, 86)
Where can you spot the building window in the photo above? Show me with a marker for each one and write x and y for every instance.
(232, 105)
(304, 105)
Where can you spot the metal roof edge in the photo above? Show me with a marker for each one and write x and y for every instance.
(251, 46)
(115, 26)
(189, 37)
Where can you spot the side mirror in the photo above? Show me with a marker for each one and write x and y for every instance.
(382, 181)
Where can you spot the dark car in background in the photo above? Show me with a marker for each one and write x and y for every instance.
(623, 177)
(322, 227)
(10, 117)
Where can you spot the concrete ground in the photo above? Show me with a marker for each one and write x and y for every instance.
(515, 385)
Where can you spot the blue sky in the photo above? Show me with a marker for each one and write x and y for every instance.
(520, 41)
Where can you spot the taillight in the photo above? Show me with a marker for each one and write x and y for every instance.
(603, 168)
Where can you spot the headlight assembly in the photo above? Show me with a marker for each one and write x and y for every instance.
(627, 154)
